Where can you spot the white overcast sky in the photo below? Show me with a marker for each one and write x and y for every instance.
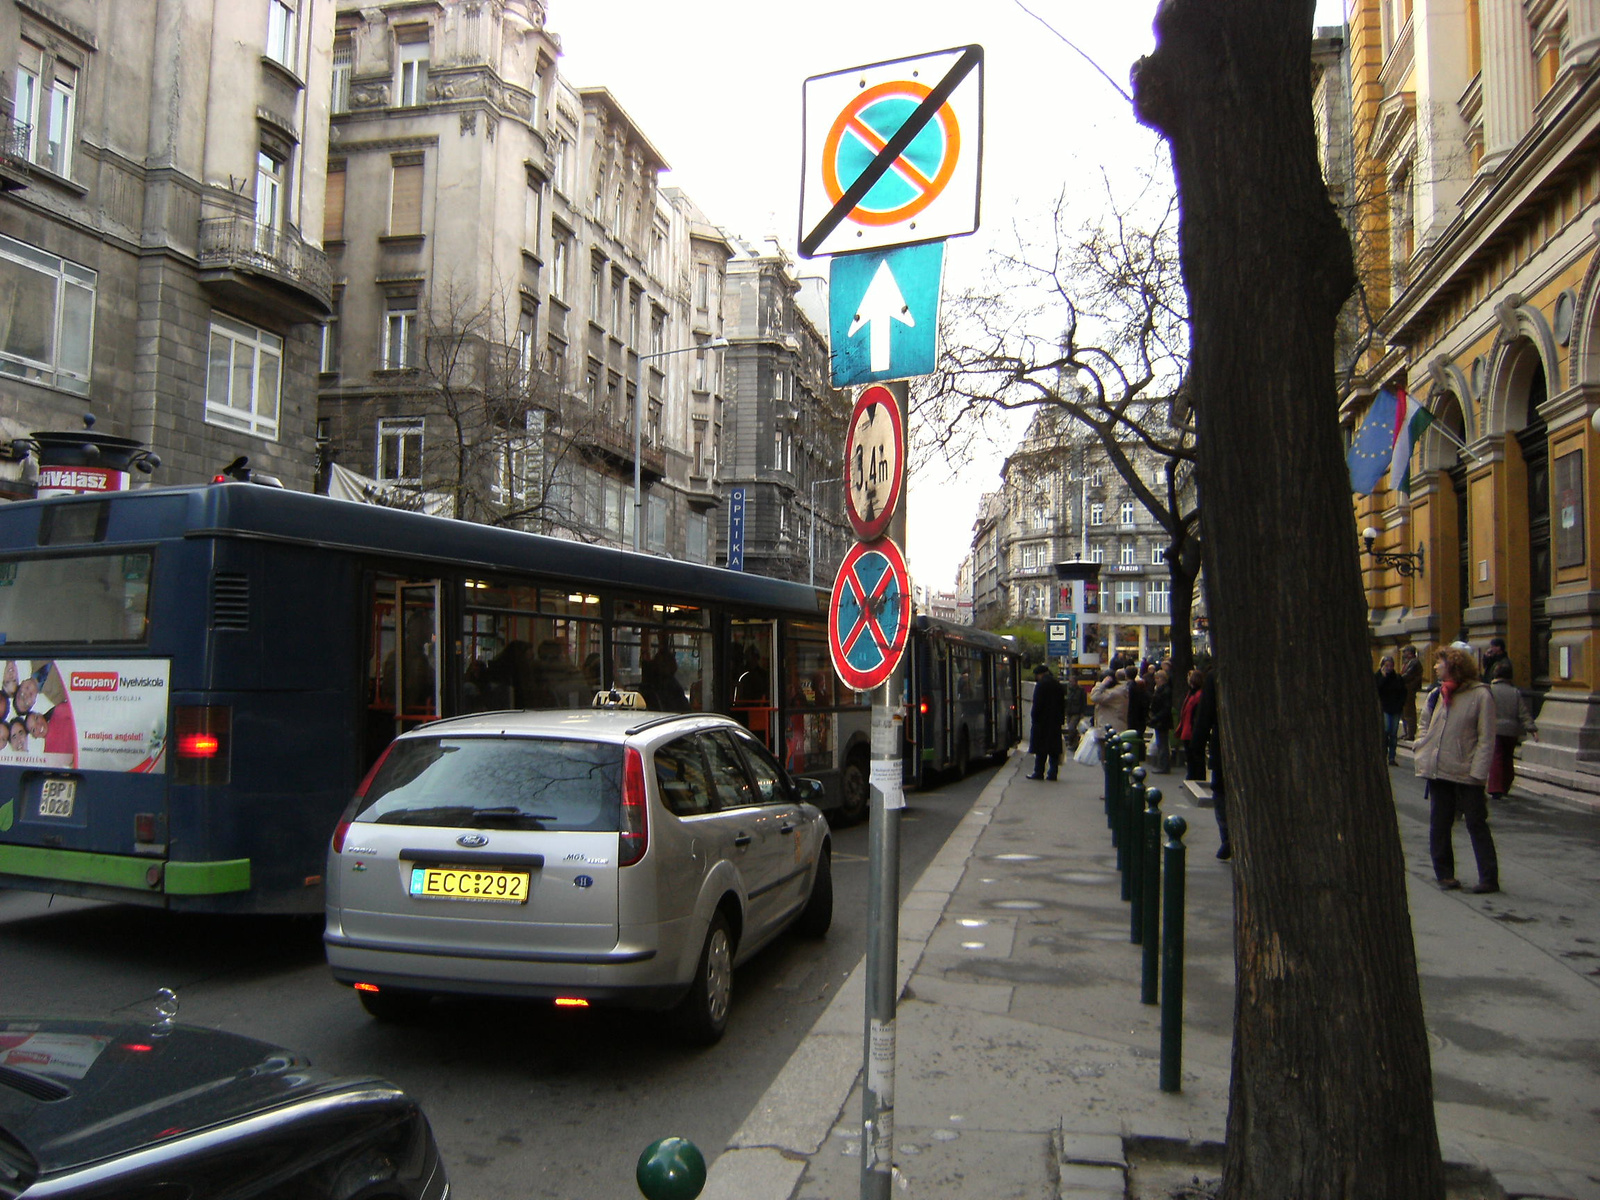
(716, 87)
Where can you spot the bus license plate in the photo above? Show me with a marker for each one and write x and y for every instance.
(56, 797)
(457, 883)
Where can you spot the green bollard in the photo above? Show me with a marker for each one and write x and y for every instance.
(1105, 768)
(1111, 759)
(1151, 942)
(671, 1168)
(1172, 955)
(1133, 847)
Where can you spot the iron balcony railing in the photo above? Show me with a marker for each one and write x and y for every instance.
(240, 244)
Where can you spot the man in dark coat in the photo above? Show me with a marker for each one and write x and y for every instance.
(1044, 734)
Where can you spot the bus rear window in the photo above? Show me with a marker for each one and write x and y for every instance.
(92, 599)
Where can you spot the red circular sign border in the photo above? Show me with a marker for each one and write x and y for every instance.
(860, 681)
(871, 531)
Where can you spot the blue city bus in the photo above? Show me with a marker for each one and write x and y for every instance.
(963, 686)
(195, 679)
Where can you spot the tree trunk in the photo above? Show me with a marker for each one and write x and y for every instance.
(1331, 1091)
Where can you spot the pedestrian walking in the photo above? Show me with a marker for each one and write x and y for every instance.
(1513, 722)
(1208, 738)
(1110, 700)
(1194, 753)
(1074, 706)
(1453, 750)
(1161, 724)
(1492, 658)
(1391, 703)
(1044, 732)
(1138, 702)
(1411, 675)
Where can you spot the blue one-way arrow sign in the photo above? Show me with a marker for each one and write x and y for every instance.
(883, 313)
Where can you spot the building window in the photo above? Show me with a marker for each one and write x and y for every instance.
(411, 82)
(1159, 595)
(45, 101)
(280, 32)
(1097, 514)
(330, 342)
(695, 538)
(333, 204)
(619, 301)
(1158, 555)
(1041, 516)
(1127, 512)
(558, 269)
(1097, 477)
(1128, 551)
(562, 166)
(46, 317)
(1097, 554)
(400, 335)
(556, 349)
(405, 198)
(399, 449)
(596, 291)
(343, 63)
(244, 374)
(1127, 597)
(269, 190)
(702, 287)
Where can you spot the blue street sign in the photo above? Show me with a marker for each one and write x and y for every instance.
(736, 529)
(1062, 633)
(883, 313)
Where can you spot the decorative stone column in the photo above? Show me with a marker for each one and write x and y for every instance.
(1583, 30)
(1507, 79)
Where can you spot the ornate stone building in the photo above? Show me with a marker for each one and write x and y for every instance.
(161, 202)
(1473, 197)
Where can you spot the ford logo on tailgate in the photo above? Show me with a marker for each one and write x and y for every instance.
(472, 839)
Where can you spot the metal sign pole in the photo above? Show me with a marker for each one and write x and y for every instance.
(883, 906)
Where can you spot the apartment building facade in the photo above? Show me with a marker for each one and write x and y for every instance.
(161, 202)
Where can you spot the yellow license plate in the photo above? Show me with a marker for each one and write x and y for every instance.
(460, 883)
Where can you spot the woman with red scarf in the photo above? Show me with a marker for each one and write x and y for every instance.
(1453, 749)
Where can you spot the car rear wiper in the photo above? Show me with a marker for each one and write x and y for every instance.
(507, 812)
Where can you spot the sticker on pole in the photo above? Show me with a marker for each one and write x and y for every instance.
(892, 152)
(874, 462)
(869, 614)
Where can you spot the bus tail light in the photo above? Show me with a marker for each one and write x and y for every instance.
(634, 829)
(203, 734)
(144, 827)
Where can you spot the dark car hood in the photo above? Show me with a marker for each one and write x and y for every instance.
(76, 1092)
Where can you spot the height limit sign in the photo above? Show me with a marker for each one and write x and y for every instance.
(892, 152)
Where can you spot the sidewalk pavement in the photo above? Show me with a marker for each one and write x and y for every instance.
(1027, 1067)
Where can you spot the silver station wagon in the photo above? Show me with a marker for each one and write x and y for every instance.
(598, 856)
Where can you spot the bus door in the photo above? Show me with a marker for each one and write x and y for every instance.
(753, 655)
(402, 658)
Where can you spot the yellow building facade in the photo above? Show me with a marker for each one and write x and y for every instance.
(1471, 185)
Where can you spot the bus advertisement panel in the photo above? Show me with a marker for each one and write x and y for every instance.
(85, 713)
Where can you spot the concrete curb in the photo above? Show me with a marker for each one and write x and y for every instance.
(767, 1155)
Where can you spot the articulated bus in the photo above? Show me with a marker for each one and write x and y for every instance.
(963, 686)
(194, 680)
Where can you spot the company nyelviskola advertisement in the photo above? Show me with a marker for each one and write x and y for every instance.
(84, 713)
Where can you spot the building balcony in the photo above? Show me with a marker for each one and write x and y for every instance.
(258, 267)
(14, 140)
(600, 434)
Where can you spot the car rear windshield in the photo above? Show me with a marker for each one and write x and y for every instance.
(498, 783)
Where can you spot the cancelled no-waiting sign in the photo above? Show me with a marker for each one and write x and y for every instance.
(869, 614)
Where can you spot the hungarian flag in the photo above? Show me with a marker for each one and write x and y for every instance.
(1411, 420)
(1373, 445)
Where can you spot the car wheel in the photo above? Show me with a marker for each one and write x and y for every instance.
(703, 1013)
(818, 912)
(393, 1005)
(855, 791)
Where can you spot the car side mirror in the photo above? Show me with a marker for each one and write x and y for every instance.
(810, 790)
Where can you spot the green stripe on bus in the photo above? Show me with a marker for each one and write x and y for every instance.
(124, 871)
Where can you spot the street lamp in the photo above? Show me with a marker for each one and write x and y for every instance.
(1406, 564)
(812, 549)
(716, 343)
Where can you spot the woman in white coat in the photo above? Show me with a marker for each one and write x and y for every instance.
(1455, 741)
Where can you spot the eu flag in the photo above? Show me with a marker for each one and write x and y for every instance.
(1374, 443)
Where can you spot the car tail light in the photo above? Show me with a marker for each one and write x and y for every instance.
(571, 1002)
(366, 987)
(203, 734)
(342, 829)
(634, 832)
